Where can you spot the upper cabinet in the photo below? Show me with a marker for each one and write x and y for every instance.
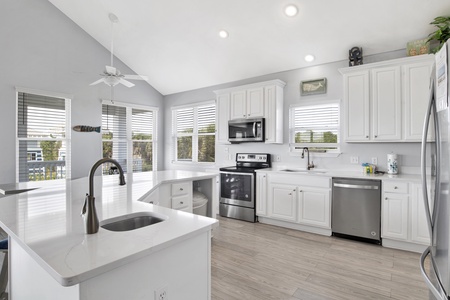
(258, 100)
(386, 101)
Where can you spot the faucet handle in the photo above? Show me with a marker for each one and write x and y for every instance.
(83, 209)
(311, 165)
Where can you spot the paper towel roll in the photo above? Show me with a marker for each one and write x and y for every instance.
(392, 164)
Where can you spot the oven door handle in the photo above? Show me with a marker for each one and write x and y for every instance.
(237, 173)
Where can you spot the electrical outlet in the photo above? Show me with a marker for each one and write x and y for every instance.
(162, 293)
(354, 160)
(277, 158)
(374, 161)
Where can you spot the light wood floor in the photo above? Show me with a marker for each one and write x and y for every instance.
(258, 261)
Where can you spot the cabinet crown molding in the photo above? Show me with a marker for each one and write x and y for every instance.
(276, 82)
(392, 62)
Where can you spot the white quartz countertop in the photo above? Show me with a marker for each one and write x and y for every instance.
(342, 173)
(46, 222)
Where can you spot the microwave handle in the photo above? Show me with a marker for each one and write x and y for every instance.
(254, 129)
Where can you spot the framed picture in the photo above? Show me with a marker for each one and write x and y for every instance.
(313, 87)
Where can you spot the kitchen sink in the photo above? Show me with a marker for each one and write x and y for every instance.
(132, 221)
(303, 171)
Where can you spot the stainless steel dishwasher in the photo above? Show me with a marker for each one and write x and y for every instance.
(356, 209)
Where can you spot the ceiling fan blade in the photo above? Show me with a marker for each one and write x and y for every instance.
(126, 82)
(136, 77)
(111, 70)
(98, 81)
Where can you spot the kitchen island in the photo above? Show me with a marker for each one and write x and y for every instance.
(52, 258)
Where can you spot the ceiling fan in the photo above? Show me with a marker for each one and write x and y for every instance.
(112, 76)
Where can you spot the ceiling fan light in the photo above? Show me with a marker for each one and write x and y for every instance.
(291, 10)
(309, 58)
(111, 81)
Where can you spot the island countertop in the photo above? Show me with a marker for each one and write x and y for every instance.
(46, 223)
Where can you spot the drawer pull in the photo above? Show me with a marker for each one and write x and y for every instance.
(181, 189)
(386, 198)
(181, 202)
(395, 187)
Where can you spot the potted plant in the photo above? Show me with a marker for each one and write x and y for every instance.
(442, 34)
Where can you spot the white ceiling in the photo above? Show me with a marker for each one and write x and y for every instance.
(176, 43)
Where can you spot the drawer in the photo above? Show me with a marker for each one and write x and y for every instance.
(181, 188)
(395, 187)
(181, 202)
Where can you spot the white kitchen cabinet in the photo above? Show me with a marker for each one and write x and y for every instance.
(222, 117)
(386, 101)
(395, 216)
(305, 206)
(247, 103)
(356, 106)
(404, 223)
(258, 100)
(261, 192)
(283, 204)
(314, 206)
(419, 225)
(181, 193)
(416, 82)
(386, 104)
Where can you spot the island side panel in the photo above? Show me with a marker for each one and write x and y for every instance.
(28, 280)
(184, 269)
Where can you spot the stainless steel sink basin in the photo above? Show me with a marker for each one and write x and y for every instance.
(303, 171)
(132, 221)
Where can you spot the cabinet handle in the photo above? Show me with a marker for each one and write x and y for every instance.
(376, 136)
(181, 189)
(290, 194)
(243, 116)
(385, 198)
(301, 191)
(395, 187)
(151, 202)
(367, 136)
(181, 202)
(248, 115)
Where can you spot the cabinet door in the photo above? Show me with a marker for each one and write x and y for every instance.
(255, 102)
(416, 90)
(261, 194)
(273, 114)
(314, 207)
(386, 104)
(356, 106)
(238, 105)
(419, 225)
(223, 115)
(395, 216)
(283, 202)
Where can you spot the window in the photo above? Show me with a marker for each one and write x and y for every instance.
(43, 133)
(128, 135)
(194, 131)
(315, 126)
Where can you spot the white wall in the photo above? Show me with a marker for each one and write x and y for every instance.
(409, 153)
(43, 49)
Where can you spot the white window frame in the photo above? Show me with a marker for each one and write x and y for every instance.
(194, 134)
(129, 107)
(297, 148)
(68, 131)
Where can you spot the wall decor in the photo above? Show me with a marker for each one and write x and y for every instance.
(418, 47)
(85, 128)
(355, 56)
(313, 87)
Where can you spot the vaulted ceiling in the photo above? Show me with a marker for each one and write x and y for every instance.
(176, 43)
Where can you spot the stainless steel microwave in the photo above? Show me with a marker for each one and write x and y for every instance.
(246, 130)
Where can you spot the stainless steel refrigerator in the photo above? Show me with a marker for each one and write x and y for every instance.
(435, 161)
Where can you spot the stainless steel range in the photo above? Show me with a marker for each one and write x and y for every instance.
(238, 186)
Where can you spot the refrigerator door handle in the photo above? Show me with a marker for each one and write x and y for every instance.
(439, 294)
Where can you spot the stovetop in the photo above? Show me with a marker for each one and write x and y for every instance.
(249, 162)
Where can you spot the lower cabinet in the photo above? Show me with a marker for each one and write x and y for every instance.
(403, 216)
(306, 207)
(181, 193)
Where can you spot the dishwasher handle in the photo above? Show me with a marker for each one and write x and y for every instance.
(356, 186)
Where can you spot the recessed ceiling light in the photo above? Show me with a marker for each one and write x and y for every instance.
(223, 34)
(291, 10)
(309, 58)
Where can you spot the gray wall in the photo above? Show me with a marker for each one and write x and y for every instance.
(43, 49)
(409, 153)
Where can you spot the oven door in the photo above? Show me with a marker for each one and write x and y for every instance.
(237, 189)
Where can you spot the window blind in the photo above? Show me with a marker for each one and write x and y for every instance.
(316, 125)
(194, 131)
(42, 141)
